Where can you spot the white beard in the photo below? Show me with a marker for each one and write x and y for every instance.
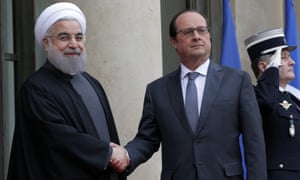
(68, 65)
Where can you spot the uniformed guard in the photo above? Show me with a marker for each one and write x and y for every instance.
(273, 67)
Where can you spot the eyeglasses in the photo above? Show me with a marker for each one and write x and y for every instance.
(65, 37)
(190, 31)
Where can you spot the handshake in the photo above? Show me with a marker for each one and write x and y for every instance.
(119, 160)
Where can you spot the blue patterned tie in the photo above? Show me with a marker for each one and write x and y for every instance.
(191, 101)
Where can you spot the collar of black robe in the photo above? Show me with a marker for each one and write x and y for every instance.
(50, 66)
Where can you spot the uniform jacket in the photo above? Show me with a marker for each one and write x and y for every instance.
(55, 138)
(229, 107)
(282, 149)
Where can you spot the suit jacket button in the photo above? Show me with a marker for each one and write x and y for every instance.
(281, 165)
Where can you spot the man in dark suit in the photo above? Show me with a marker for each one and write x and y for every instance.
(273, 67)
(206, 148)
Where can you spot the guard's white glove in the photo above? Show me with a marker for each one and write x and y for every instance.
(275, 60)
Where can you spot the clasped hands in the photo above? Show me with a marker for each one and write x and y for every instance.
(119, 160)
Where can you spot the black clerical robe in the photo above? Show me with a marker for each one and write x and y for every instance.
(55, 137)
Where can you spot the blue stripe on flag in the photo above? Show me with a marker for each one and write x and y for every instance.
(291, 34)
(230, 56)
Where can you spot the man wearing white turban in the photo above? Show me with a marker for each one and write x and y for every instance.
(64, 125)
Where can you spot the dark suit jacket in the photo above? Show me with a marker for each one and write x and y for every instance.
(282, 150)
(229, 108)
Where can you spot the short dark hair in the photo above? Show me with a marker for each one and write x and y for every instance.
(254, 63)
(254, 66)
(172, 26)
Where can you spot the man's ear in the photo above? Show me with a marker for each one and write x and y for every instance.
(262, 65)
(173, 42)
(46, 43)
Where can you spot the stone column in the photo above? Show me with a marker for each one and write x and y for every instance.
(124, 54)
(252, 17)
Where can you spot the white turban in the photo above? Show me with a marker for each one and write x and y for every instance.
(54, 13)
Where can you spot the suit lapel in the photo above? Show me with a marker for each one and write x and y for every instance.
(176, 98)
(212, 86)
